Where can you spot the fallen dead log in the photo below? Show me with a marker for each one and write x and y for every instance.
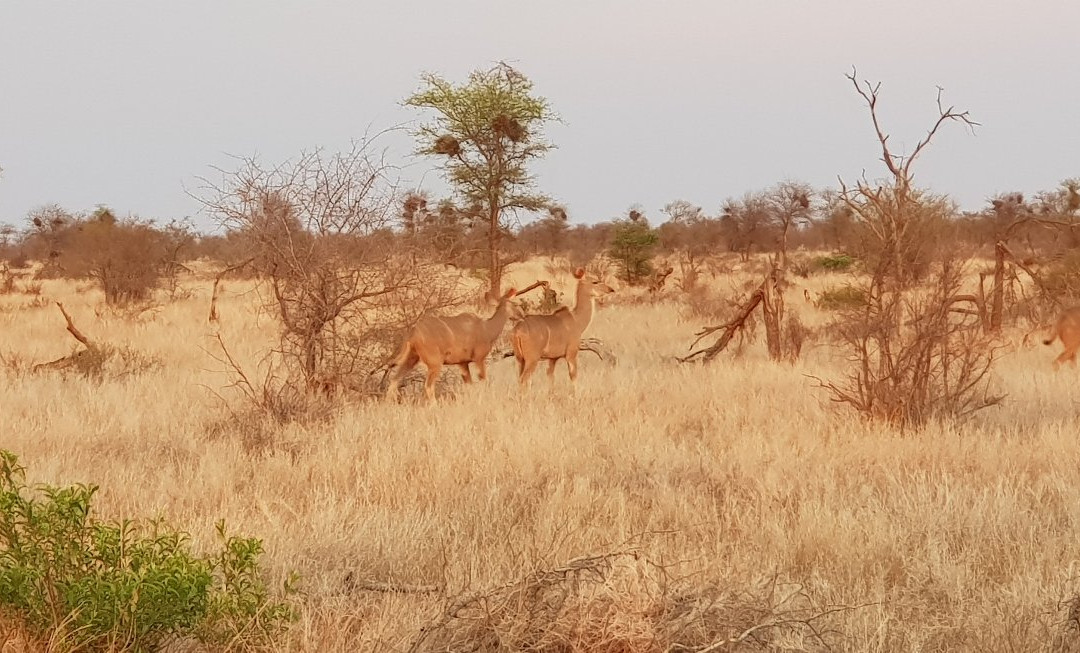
(67, 361)
(729, 329)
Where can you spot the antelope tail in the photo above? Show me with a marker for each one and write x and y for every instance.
(399, 359)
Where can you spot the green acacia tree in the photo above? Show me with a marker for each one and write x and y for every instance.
(486, 132)
(632, 245)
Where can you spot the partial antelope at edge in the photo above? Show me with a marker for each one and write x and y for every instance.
(556, 336)
(1067, 328)
(452, 340)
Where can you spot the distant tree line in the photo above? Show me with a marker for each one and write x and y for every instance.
(130, 256)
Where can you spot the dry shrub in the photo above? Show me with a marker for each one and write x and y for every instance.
(690, 269)
(621, 603)
(708, 305)
(7, 280)
(17, 637)
(1062, 277)
(796, 335)
(127, 259)
(1067, 637)
(601, 266)
(316, 231)
(98, 361)
(103, 363)
(15, 364)
(264, 406)
(914, 357)
(841, 298)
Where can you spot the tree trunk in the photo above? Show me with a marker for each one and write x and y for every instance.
(772, 308)
(783, 247)
(997, 302)
(494, 264)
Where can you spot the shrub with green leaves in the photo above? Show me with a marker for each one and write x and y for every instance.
(841, 298)
(92, 585)
(834, 262)
(632, 247)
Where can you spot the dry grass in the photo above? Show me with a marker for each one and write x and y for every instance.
(735, 478)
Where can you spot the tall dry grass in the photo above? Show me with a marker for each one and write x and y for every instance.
(735, 477)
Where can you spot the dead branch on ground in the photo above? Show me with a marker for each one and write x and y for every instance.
(729, 329)
(70, 359)
(622, 601)
(353, 584)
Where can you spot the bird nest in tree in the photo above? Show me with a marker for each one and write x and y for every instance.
(508, 128)
(448, 145)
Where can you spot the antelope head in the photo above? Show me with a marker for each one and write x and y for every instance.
(590, 287)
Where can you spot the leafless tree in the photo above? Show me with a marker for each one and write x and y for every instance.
(904, 220)
(914, 357)
(790, 207)
(319, 232)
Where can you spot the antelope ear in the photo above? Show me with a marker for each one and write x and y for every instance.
(510, 293)
(578, 273)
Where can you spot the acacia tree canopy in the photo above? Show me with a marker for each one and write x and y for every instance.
(486, 132)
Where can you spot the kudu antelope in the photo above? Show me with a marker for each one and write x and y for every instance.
(555, 336)
(1067, 328)
(453, 340)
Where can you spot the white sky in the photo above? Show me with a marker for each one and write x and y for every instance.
(126, 103)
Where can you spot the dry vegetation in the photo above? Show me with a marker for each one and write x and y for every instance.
(661, 507)
(886, 464)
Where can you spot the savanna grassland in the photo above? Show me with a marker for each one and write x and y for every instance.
(754, 514)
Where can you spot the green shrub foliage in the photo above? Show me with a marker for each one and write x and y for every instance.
(95, 585)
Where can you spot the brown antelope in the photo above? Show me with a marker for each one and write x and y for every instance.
(1067, 328)
(555, 336)
(453, 340)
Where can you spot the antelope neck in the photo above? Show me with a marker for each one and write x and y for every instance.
(583, 307)
(494, 324)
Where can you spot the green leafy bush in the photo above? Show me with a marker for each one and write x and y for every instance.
(834, 262)
(95, 586)
(841, 298)
(632, 248)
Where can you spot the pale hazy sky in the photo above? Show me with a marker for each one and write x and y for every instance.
(127, 103)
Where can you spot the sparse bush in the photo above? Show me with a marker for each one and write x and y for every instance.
(343, 298)
(124, 258)
(796, 335)
(834, 262)
(95, 585)
(800, 267)
(127, 259)
(1062, 278)
(705, 304)
(914, 359)
(841, 298)
(622, 602)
